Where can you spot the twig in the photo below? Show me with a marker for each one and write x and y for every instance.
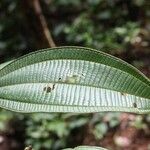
(42, 20)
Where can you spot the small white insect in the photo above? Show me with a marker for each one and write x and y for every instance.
(72, 79)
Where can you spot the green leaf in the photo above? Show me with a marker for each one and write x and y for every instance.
(5, 64)
(73, 79)
(86, 148)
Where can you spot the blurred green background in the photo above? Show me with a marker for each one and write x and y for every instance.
(118, 27)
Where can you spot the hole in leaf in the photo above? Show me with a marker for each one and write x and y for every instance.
(123, 94)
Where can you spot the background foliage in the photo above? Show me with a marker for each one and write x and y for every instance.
(118, 27)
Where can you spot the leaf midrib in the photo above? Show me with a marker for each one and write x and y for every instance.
(100, 87)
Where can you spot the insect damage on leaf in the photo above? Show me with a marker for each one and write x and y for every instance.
(49, 88)
(123, 94)
(135, 105)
